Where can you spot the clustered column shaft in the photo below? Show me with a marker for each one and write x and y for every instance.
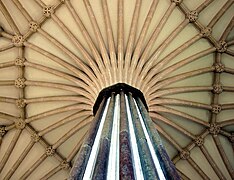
(125, 116)
(80, 164)
(126, 165)
(168, 167)
(100, 171)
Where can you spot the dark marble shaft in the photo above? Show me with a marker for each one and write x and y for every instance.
(100, 171)
(90, 138)
(125, 160)
(123, 114)
(78, 169)
(147, 164)
(168, 167)
(107, 128)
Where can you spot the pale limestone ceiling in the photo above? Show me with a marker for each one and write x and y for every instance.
(184, 70)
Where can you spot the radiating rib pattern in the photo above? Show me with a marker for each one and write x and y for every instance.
(57, 55)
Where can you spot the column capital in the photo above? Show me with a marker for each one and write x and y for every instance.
(117, 88)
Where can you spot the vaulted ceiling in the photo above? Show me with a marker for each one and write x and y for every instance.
(56, 56)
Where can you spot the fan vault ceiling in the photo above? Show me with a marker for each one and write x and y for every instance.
(56, 56)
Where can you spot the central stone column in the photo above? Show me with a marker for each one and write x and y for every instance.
(122, 142)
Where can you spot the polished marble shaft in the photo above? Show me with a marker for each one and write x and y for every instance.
(122, 143)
